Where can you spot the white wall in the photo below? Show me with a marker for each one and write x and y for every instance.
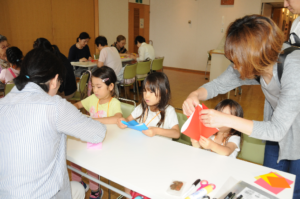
(185, 45)
(113, 19)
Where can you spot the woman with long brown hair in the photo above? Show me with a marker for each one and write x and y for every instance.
(253, 44)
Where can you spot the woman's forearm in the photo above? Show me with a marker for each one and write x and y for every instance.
(240, 124)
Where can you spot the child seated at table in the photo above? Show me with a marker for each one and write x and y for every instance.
(14, 57)
(155, 111)
(104, 108)
(226, 141)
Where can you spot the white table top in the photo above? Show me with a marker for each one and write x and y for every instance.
(84, 64)
(126, 59)
(148, 165)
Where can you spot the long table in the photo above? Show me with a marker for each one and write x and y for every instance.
(148, 165)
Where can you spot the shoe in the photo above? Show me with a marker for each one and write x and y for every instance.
(85, 186)
(96, 195)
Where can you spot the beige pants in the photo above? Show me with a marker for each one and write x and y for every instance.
(77, 189)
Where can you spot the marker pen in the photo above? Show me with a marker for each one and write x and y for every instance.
(228, 196)
(240, 197)
(232, 196)
(202, 192)
(192, 189)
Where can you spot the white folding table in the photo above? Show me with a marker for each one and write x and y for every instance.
(148, 165)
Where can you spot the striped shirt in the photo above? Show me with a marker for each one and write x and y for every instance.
(33, 133)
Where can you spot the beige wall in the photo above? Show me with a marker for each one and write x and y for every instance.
(185, 45)
(113, 19)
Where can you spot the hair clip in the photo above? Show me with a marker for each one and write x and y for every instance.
(27, 76)
(106, 79)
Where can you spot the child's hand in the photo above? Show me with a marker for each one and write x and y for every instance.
(150, 132)
(205, 143)
(120, 124)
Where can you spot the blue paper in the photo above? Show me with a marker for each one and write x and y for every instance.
(134, 125)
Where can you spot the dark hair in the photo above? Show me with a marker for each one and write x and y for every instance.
(139, 39)
(83, 35)
(106, 72)
(14, 56)
(2, 38)
(159, 84)
(39, 66)
(120, 38)
(101, 40)
(46, 45)
(235, 109)
(253, 43)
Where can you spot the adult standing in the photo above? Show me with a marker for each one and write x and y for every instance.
(80, 51)
(68, 86)
(253, 44)
(120, 45)
(294, 7)
(33, 149)
(146, 51)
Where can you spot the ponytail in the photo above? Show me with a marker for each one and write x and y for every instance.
(39, 66)
(14, 56)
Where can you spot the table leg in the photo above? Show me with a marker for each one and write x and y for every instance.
(109, 187)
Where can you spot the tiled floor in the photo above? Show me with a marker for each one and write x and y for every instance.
(182, 83)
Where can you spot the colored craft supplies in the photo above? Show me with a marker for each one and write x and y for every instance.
(202, 192)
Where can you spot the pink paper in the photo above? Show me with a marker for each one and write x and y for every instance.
(274, 190)
(94, 146)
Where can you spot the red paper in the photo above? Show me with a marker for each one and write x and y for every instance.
(196, 128)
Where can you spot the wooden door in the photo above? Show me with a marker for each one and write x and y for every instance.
(137, 14)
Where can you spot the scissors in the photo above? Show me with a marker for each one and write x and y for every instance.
(205, 183)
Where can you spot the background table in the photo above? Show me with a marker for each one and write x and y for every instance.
(148, 165)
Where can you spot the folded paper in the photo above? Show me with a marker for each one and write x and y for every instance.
(194, 128)
(136, 126)
(94, 146)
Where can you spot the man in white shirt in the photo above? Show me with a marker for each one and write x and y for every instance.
(294, 7)
(146, 51)
(109, 56)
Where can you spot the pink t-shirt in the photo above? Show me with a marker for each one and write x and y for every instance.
(7, 76)
(111, 58)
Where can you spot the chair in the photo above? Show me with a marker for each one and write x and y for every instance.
(183, 138)
(83, 83)
(142, 69)
(208, 62)
(127, 108)
(129, 73)
(157, 64)
(252, 150)
(8, 88)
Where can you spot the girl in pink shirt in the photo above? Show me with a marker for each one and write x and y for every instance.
(14, 57)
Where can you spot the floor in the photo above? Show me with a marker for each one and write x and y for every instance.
(184, 82)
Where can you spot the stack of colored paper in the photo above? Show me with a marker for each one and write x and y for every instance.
(273, 182)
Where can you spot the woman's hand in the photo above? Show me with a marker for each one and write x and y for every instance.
(120, 124)
(190, 103)
(214, 119)
(82, 59)
(205, 143)
(150, 132)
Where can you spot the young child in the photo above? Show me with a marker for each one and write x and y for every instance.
(14, 57)
(226, 141)
(102, 107)
(154, 110)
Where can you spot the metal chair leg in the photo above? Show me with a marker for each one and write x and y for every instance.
(137, 89)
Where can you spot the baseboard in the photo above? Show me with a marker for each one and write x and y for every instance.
(187, 70)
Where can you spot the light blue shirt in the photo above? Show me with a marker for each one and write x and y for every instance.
(33, 133)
